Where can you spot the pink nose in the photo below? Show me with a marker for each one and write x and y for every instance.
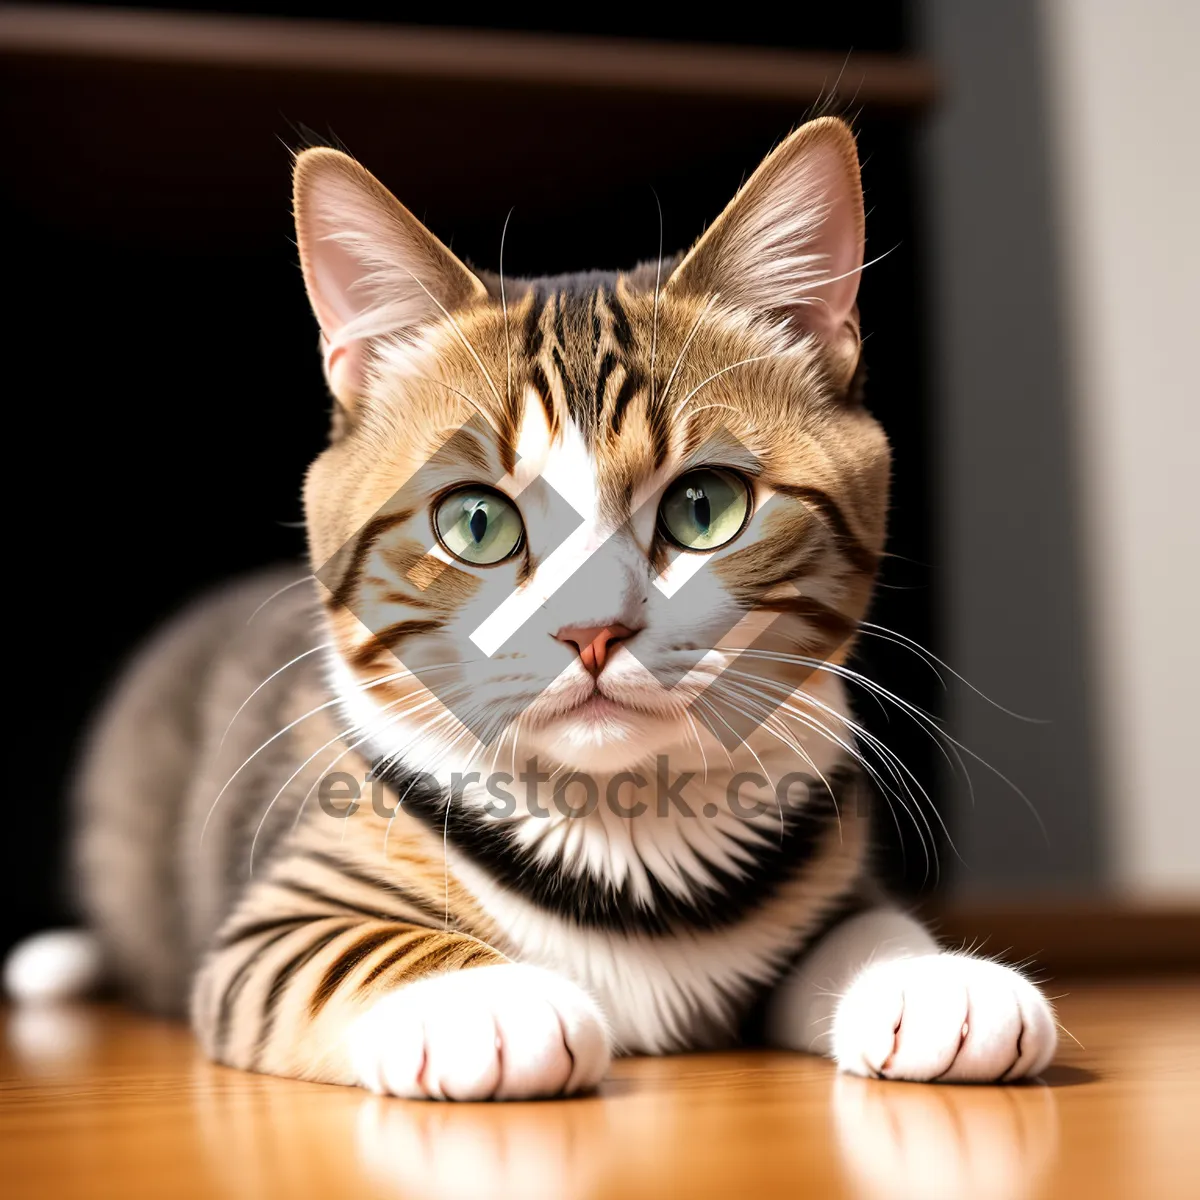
(594, 642)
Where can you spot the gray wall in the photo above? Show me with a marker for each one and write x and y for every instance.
(1125, 91)
(1010, 556)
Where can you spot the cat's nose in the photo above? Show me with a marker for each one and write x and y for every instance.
(594, 643)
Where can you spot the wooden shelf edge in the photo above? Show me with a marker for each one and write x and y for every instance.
(552, 61)
(1101, 937)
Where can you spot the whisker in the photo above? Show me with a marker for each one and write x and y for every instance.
(462, 396)
(377, 682)
(811, 722)
(390, 720)
(387, 833)
(822, 282)
(723, 371)
(918, 715)
(350, 749)
(696, 736)
(445, 716)
(900, 772)
(1069, 1034)
(754, 755)
(657, 287)
(287, 587)
(262, 820)
(462, 337)
(686, 346)
(241, 707)
(705, 407)
(504, 306)
(764, 719)
(336, 738)
(878, 693)
(925, 721)
(273, 738)
(927, 654)
(885, 752)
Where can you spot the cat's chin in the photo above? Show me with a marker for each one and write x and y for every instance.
(603, 736)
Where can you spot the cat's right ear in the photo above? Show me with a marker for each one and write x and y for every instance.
(790, 243)
(370, 267)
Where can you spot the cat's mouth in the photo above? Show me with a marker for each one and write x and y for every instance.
(619, 707)
(603, 708)
(599, 705)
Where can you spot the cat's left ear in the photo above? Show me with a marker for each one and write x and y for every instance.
(371, 268)
(790, 243)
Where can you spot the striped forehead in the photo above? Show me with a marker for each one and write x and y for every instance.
(587, 363)
(562, 457)
(588, 352)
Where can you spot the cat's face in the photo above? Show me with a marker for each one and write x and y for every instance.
(556, 513)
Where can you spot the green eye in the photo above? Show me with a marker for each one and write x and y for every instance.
(478, 525)
(705, 509)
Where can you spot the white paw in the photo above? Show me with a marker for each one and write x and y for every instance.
(57, 965)
(944, 1017)
(508, 1032)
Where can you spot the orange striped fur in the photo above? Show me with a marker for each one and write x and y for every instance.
(424, 943)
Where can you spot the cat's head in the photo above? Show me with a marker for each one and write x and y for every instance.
(557, 508)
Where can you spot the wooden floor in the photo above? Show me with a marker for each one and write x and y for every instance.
(99, 1103)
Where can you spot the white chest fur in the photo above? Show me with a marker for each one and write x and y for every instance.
(658, 993)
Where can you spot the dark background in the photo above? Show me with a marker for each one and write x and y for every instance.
(168, 395)
(869, 26)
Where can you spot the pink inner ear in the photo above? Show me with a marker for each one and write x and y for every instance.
(837, 240)
(334, 275)
(371, 269)
(330, 275)
(336, 272)
(790, 243)
(349, 237)
(344, 370)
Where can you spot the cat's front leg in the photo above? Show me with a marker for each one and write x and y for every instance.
(878, 996)
(504, 1032)
(394, 1007)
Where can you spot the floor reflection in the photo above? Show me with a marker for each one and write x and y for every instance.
(99, 1101)
(47, 1040)
(766, 1125)
(436, 1151)
(847, 1136)
(904, 1141)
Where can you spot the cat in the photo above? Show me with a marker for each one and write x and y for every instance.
(468, 809)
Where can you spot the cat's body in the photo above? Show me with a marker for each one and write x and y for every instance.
(159, 890)
(610, 534)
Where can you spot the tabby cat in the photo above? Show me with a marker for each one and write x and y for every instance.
(499, 789)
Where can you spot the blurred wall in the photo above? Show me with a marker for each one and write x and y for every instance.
(1123, 81)
(1062, 191)
(1025, 814)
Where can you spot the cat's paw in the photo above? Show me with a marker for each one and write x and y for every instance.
(943, 1017)
(507, 1032)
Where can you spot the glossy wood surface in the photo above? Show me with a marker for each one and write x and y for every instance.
(97, 1102)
